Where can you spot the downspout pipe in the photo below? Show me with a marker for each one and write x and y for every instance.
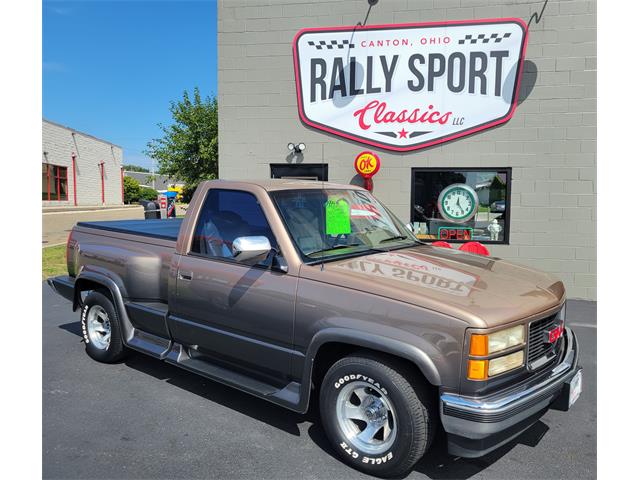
(101, 164)
(75, 189)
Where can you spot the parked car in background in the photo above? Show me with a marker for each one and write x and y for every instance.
(499, 206)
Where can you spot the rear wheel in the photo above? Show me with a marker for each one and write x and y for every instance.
(101, 328)
(373, 417)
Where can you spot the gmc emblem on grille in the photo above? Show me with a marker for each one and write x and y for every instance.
(553, 334)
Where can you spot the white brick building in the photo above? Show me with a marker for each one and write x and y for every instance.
(79, 169)
(541, 164)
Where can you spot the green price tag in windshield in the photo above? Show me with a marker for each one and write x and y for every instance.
(337, 217)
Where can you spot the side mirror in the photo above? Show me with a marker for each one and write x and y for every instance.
(251, 249)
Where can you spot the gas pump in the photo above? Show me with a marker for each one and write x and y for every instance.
(163, 203)
(171, 204)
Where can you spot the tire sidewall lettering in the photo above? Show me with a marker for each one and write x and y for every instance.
(344, 379)
(353, 453)
(378, 460)
(85, 334)
(350, 451)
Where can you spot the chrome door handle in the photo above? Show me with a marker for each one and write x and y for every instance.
(185, 276)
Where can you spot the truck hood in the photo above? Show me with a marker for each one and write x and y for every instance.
(483, 291)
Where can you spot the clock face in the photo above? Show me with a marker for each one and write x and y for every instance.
(458, 203)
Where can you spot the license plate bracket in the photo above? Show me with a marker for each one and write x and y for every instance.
(571, 390)
(575, 388)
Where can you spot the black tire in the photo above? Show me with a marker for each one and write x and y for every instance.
(413, 413)
(115, 350)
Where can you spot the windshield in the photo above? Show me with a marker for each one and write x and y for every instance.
(328, 223)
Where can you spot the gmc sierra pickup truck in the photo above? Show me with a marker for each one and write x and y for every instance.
(293, 289)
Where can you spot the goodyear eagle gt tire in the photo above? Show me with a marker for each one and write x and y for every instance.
(373, 417)
(101, 330)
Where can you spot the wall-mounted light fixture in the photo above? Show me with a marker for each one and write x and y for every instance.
(296, 148)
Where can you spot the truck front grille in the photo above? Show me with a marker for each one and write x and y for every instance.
(538, 350)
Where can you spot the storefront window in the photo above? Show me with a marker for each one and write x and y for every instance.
(54, 182)
(459, 205)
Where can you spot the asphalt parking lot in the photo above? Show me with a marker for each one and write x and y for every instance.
(146, 419)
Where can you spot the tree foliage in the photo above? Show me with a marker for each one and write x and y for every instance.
(131, 189)
(188, 149)
(134, 192)
(187, 192)
(148, 193)
(134, 168)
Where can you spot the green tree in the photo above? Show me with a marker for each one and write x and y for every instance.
(131, 190)
(188, 149)
(147, 193)
(135, 168)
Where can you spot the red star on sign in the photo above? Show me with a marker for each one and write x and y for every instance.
(403, 133)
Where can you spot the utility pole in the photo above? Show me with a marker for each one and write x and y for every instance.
(153, 174)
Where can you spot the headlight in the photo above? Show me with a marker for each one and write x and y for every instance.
(504, 339)
(488, 344)
(483, 345)
(506, 363)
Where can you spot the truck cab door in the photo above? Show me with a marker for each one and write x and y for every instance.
(228, 312)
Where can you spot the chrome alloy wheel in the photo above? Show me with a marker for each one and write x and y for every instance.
(366, 417)
(98, 327)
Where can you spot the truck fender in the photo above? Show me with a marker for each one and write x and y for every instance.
(117, 290)
(375, 342)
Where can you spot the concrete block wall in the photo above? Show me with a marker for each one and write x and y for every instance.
(550, 142)
(59, 143)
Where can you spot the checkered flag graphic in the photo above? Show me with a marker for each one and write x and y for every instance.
(482, 38)
(330, 45)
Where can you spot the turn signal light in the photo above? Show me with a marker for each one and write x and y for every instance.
(479, 345)
(477, 369)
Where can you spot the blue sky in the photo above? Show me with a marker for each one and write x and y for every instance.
(110, 68)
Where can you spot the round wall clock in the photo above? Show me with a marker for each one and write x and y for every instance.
(458, 203)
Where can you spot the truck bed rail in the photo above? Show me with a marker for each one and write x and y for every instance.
(166, 229)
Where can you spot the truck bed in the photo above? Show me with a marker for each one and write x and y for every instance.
(138, 252)
(166, 229)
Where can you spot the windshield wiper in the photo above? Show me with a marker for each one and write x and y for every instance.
(397, 237)
(337, 247)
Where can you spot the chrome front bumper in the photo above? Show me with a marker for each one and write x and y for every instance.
(477, 425)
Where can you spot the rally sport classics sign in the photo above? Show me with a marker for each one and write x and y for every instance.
(405, 87)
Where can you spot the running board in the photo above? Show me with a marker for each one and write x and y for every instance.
(152, 345)
(289, 396)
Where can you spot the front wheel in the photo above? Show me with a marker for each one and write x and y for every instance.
(374, 418)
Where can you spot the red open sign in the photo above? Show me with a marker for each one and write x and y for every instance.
(446, 233)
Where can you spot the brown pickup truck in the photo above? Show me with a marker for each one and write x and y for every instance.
(288, 289)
